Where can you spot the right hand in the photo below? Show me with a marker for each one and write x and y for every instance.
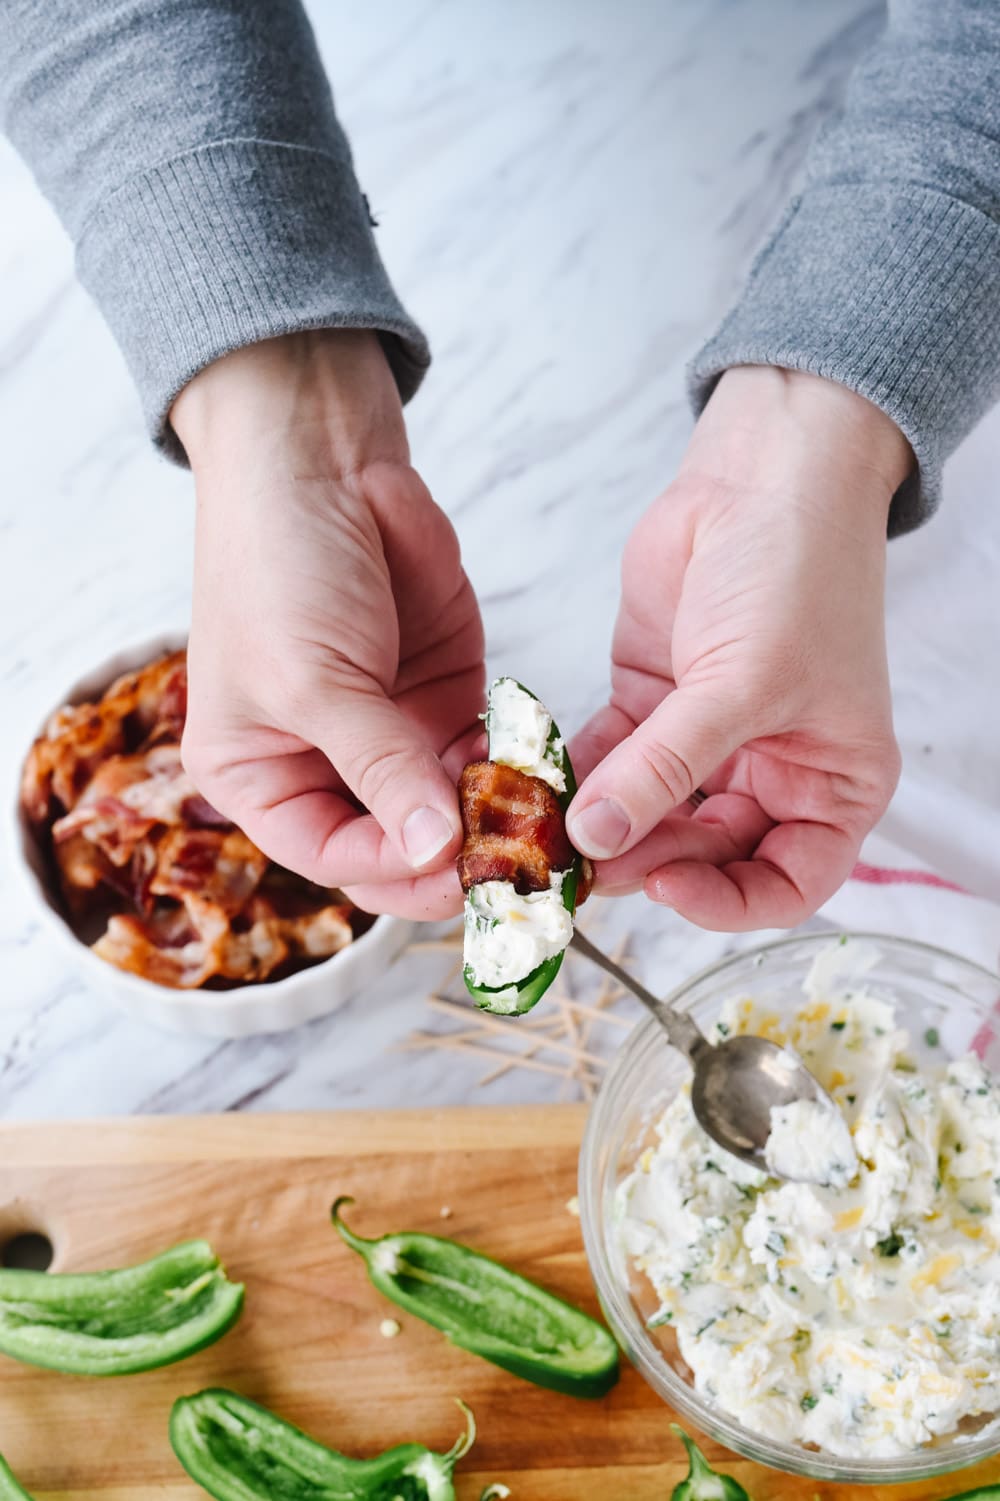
(336, 651)
(749, 662)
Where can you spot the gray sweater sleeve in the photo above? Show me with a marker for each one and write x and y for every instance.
(884, 274)
(192, 151)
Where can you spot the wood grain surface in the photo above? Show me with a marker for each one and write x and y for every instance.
(309, 1344)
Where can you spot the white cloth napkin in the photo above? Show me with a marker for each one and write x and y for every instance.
(895, 893)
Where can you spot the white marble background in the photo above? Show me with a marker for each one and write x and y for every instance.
(569, 193)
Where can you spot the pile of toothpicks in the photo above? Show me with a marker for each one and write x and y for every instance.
(570, 1036)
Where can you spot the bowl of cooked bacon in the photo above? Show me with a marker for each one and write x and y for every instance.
(175, 913)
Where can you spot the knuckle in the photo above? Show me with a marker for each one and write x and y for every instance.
(211, 781)
(889, 765)
(668, 771)
(211, 771)
(893, 763)
(383, 772)
(873, 783)
(447, 548)
(197, 759)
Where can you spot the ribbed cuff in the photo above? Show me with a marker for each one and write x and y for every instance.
(230, 244)
(891, 290)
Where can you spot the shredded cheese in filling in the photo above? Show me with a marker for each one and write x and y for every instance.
(862, 1317)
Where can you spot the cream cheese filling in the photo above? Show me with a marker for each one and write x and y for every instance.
(863, 1316)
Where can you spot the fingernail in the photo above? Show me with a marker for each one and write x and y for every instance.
(425, 834)
(601, 829)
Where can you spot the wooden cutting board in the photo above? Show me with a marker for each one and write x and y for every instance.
(309, 1343)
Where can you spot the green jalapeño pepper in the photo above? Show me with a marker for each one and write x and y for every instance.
(113, 1323)
(238, 1451)
(517, 998)
(981, 1493)
(489, 1310)
(703, 1483)
(9, 1488)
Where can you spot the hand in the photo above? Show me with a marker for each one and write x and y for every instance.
(336, 652)
(749, 661)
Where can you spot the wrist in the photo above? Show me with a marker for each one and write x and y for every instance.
(766, 428)
(325, 401)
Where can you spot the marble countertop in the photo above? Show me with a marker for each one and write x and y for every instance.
(568, 196)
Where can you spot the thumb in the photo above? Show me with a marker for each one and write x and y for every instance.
(653, 771)
(386, 762)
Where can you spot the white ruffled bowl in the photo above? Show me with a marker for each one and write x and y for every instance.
(240, 1012)
(958, 999)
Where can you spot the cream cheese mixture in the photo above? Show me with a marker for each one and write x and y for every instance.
(508, 935)
(864, 1316)
(519, 730)
(810, 1140)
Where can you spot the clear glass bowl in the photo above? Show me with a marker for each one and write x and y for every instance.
(934, 989)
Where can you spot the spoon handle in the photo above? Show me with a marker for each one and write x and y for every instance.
(682, 1033)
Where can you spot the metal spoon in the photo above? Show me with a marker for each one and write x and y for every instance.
(737, 1082)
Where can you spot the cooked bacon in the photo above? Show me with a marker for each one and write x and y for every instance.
(316, 935)
(192, 900)
(184, 948)
(81, 865)
(223, 868)
(158, 786)
(161, 698)
(515, 829)
(109, 824)
(125, 800)
(181, 948)
(282, 894)
(141, 872)
(80, 737)
(62, 762)
(36, 783)
(155, 697)
(308, 928)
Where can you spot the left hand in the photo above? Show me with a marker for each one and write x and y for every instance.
(336, 652)
(749, 661)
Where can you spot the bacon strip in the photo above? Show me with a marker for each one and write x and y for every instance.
(125, 800)
(224, 868)
(60, 764)
(515, 829)
(83, 870)
(188, 946)
(149, 704)
(182, 947)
